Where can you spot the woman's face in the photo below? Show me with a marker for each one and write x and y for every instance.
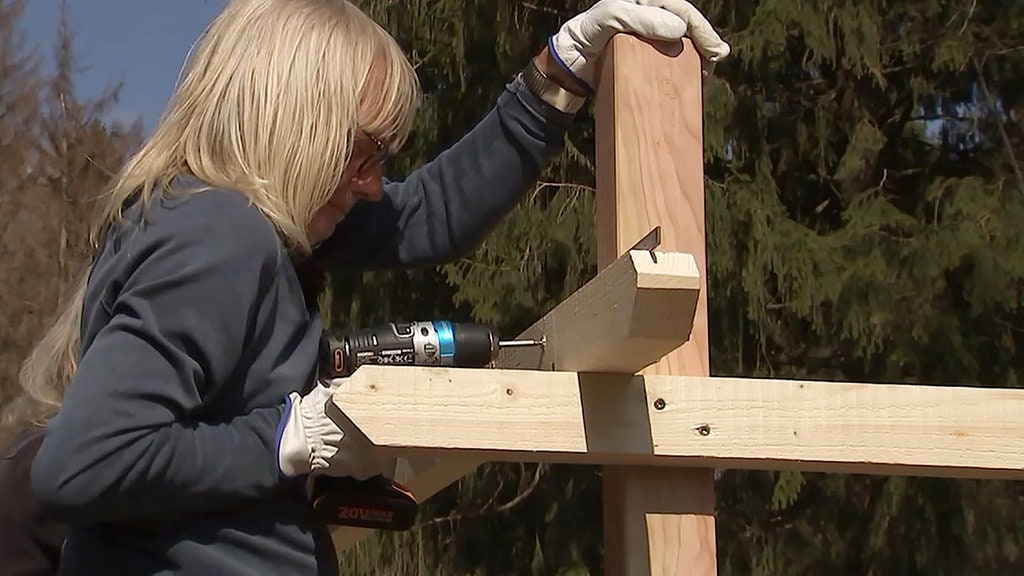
(361, 180)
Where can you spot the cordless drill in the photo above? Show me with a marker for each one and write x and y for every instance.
(378, 502)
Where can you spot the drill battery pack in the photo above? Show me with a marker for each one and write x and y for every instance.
(377, 503)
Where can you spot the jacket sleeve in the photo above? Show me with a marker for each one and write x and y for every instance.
(444, 209)
(128, 442)
(30, 542)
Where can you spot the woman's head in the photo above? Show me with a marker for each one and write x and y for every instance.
(284, 101)
(277, 97)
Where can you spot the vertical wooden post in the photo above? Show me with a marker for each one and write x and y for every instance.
(649, 117)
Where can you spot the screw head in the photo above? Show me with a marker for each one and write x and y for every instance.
(659, 404)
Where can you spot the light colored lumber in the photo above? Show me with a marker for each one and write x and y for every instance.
(625, 318)
(650, 169)
(688, 421)
(637, 488)
(650, 172)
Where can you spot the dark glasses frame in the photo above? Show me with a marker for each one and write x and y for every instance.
(379, 157)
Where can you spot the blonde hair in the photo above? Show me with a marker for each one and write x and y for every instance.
(269, 105)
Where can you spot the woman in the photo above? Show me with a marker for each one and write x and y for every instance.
(191, 418)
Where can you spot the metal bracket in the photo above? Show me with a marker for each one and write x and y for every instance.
(649, 242)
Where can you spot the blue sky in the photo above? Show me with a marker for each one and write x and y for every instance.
(142, 42)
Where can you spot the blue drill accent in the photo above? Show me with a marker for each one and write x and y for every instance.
(445, 340)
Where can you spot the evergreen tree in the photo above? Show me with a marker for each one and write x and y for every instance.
(864, 191)
(864, 185)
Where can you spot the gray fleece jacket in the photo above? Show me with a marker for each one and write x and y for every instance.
(163, 458)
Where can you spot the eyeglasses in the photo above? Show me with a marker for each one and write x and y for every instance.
(379, 157)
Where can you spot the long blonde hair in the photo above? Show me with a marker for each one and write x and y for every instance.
(269, 105)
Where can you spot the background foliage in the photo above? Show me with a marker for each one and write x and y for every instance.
(56, 151)
(864, 190)
(864, 193)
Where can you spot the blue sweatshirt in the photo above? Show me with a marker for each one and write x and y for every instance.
(163, 458)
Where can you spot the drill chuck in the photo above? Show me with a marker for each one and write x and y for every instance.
(430, 343)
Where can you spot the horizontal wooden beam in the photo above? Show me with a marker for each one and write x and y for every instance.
(630, 315)
(516, 415)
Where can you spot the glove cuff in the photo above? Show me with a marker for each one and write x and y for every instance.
(569, 58)
(568, 53)
(293, 453)
(322, 435)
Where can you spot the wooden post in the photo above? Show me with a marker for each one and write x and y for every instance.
(649, 121)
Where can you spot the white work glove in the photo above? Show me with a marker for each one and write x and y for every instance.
(580, 41)
(317, 438)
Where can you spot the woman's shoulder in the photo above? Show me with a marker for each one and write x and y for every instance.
(219, 212)
(188, 212)
(184, 231)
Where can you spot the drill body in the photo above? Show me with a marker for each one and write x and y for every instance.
(380, 503)
(430, 343)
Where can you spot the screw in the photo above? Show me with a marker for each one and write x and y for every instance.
(659, 404)
(704, 430)
(509, 391)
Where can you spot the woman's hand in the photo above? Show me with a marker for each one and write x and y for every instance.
(318, 438)
(580, 41)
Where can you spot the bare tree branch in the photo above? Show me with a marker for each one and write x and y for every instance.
(488, 508)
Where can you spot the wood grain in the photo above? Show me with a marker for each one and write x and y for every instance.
(650, 172)
(687, 421)
(661, 528)
(629, 316)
